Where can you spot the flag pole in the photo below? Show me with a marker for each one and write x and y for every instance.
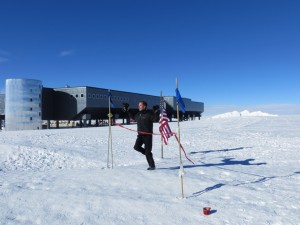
(162, 144)
(178, 131)
(109, 134)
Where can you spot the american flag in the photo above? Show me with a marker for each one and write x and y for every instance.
(164, 127)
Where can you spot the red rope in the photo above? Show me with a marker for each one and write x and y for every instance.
(183, 150)
(141, 132)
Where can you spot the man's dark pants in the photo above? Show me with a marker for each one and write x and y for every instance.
(147, 141)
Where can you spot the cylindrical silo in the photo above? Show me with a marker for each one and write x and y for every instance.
(23, 104)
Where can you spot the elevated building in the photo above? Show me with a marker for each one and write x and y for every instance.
(28, 104)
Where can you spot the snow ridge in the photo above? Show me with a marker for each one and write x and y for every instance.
(244, 113)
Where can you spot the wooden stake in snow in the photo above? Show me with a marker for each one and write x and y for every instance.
(181, 172)
(110, 151)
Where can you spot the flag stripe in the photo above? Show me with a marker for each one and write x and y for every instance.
(164, 127)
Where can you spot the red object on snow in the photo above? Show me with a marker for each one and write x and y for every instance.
(206, 211)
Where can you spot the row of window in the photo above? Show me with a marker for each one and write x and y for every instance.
(76, 96)
(104, 97)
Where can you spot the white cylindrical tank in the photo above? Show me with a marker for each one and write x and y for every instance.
(23, 104)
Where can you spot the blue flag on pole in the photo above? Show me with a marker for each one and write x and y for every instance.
(110, 100)
(180, 101)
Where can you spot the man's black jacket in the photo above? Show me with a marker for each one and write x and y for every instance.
(145, 121)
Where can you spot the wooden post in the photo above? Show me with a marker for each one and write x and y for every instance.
(179, 147)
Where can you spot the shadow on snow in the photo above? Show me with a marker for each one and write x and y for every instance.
(196, 194)
(260, 180)
(224, 162)
(228, 162)
(219, 150)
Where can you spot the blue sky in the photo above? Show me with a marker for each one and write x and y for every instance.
(236, 53)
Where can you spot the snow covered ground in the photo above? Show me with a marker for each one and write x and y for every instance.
(247, 169)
